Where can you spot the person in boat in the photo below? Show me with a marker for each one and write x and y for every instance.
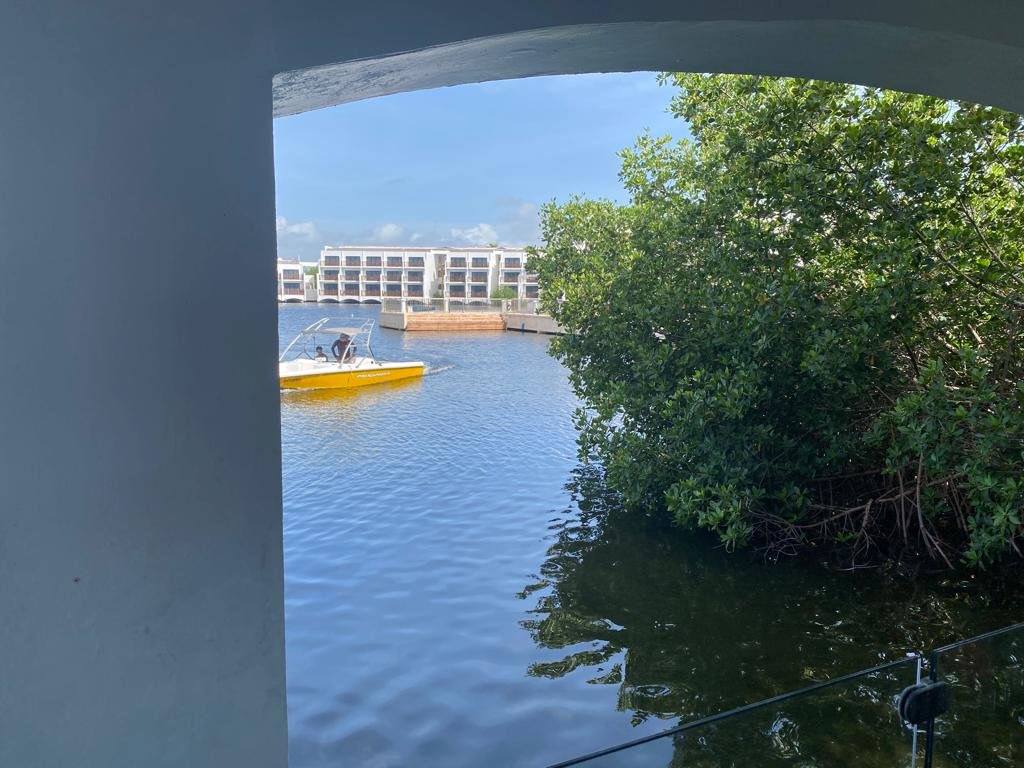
(342, 346)
(320, 356)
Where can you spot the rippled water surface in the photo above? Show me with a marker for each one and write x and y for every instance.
(460, 592)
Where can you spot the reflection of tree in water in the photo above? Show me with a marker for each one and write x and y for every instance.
(686, 630)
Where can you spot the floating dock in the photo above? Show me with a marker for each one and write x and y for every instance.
(468, 321)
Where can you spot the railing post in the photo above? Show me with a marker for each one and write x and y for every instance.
(929, 738)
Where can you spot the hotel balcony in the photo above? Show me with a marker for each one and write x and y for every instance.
(479, 263)
(374, 261)
(512, 264)
(393, 290)
(371, 290)
(414, 290)
(416, 261)
(457, 291)
(330, 261)
(394, 261)
(331, 288)
(478, 277)
(457, 262)
(393, 277)
(510, 278)
(456, 277)
(352, 261)
(291, 274)
(532, 291)
(350, 290)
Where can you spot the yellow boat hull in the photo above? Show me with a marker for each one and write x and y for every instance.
(349, 379)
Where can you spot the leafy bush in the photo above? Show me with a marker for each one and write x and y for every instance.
(504, 292)
(805, 327)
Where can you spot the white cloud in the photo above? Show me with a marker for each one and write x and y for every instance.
(388, 234)
(305, 229)
(481, 234)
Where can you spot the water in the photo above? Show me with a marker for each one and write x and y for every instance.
(461, 592)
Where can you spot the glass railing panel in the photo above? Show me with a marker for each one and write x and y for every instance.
(853, 724)
(984, 725)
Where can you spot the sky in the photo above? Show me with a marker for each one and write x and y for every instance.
(461, 166)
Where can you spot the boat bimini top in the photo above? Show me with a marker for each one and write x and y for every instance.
(358, 335)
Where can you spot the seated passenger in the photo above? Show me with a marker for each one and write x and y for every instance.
(320, 356)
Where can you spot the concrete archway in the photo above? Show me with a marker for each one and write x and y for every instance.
(883, 53)
(140, 545)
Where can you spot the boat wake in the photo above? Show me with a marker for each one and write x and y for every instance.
(431, 370)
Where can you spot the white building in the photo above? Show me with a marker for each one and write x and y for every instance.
(290, 281)
(357, 274)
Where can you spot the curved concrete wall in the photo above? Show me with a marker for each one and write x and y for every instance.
(140, 532)
(330, 52)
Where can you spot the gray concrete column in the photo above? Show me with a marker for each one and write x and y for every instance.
(141, 582)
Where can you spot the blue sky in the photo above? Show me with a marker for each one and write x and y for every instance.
(458, 166)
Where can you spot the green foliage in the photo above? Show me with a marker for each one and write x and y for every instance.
(504, 292)
(805, 326)
(314, 270)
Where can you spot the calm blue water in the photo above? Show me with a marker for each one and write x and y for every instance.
(460, 592)
(414, 514)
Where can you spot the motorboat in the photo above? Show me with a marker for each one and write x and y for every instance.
(345, 363)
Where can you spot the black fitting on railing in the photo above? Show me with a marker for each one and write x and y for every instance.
(923, 702)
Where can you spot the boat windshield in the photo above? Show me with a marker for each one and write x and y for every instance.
(317, 340)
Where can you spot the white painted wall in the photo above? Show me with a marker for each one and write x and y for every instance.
(141, 604)
(140, 531)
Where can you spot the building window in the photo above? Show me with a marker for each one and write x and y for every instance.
(416, 276)
(394, 261)
(394, 276)
(479, 291)
(458, 261)
(373, 274)
(415, 261)
(373, 290)
(415, 290)
(480, 262)
(479, 277)
(457, 290)
(515, 263)
(330, 287)
(332, 261)
(373, 261)
(532, 291)
(352, 261)
(456, 277)
(393, 289)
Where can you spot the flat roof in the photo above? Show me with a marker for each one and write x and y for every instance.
(425, 249)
